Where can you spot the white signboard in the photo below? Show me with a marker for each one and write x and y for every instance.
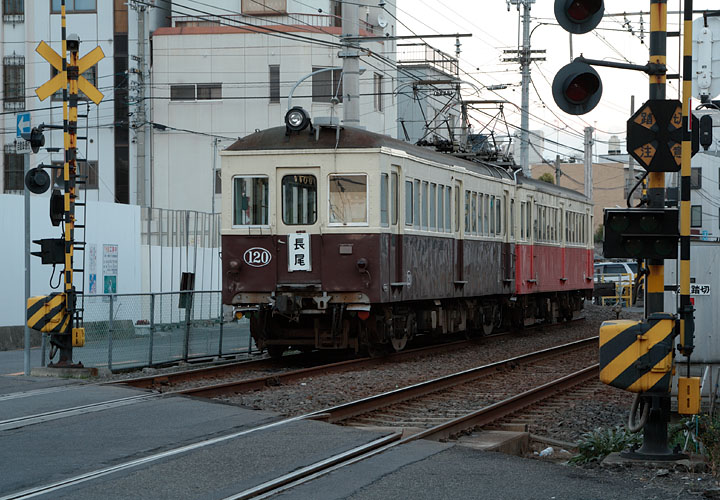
(110, 268)
(698, 289)
(299, 252)
(92, 268)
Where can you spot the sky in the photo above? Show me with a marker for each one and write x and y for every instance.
(618, 38)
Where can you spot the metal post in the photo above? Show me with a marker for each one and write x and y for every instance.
(588, 163)
(351, 65)
(220, 342)
(186, 341)
(152, 329)
(26, 331)
(110, 332)
(631, 162)
(655, 432)
(525, 106)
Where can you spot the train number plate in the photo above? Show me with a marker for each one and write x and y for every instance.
(257, 257)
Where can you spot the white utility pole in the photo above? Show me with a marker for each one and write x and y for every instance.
(351, 64)
(588, 162)
(525, 116)
(142, 128)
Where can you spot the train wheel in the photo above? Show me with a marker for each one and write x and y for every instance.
(401, 336)
(275, 351)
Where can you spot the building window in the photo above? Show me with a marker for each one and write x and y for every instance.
(13, 7)
(199, 92)
(348, 199)
(250, 201)
(84, 168)
(264, 7)
(696, 216)
(378, 90)
(696, 178)
(299, 199)
(327, 85)
(14, 83)
(13, 172)
(209, 91)
(274, 83)
(75, 6)
(90, 75)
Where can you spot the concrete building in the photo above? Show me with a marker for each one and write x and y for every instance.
(225, 72)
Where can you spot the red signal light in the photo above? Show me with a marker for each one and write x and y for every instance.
(582, 87)
(580, 11)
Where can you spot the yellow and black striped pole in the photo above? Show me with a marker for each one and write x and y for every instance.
(655, 280)
(64, 342)
(686, 308)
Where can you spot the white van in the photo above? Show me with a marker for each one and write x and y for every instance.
(614, 271)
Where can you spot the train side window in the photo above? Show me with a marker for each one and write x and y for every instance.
(425, 205)
(394, 198)
(448, 213)
(384, 200)
(467, 211)
(481, 209)
(416, 204)
(299, 199)
(457, 208)
(528, 220)
(433, 201)
(440, 207)
(250, 201)
(473, 216)
(408, 203)
(512, 218)
(486, 214)
(348, 198)
(522, 220)
(498, 217)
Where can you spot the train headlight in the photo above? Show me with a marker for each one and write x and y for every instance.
(297, 119)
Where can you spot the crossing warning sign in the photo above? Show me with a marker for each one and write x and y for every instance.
(655, 134)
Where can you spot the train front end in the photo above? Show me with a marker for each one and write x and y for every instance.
(298, 250)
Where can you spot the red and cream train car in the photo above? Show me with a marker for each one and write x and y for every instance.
(346, 239)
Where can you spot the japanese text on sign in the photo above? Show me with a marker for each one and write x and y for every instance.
(299, 252)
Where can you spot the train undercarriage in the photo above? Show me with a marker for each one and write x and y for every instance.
(295, 321)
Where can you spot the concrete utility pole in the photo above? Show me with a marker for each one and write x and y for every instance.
(351, 64)
(142, 129)
(558, 172)
(525, 116)
(588, 162)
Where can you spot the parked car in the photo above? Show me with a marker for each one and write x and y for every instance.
(614, 271)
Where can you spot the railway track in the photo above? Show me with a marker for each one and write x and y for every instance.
(280, 373)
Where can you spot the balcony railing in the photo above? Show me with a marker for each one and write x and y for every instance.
(422, 54)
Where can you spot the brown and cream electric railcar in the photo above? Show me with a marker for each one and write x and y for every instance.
(346, 239)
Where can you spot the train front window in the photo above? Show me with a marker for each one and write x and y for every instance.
(299, 199)
(250, 201)
(348, 199)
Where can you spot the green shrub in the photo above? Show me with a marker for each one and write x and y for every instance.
(596, 445)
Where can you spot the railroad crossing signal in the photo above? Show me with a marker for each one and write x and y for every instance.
(654, 135)
(60, 80)
(577, 88)
(579, 16)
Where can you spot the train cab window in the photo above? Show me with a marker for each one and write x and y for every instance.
(348, 198)
(408, 203)
(492, 215)
(522, 220)
(394, 198)
(384, 219)
(498, 217)
(299, 199)
(457, 208)
(250, 201)
(467, 211)
(512, 218)
(440, 207)
(433, 201)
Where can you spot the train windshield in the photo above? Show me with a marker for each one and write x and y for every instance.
(250, 201)
(348, 199)
(299, 198)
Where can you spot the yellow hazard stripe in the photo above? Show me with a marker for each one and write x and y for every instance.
(630, 355)
(607, 337)
(653, 377)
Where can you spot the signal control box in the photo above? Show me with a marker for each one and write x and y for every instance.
(48, 313)
(688, 395)
(637, 356)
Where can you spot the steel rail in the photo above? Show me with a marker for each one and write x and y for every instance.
(365, 405)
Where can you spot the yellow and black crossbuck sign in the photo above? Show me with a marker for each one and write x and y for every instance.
(59, 81)
(638, 356)
(48, 313)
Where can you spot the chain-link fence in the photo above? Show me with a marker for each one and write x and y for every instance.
(125, 331)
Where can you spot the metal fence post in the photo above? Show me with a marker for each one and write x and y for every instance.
(186, 343)
(43, 340)
(220, 343)
(110, 333)
(152, 329)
